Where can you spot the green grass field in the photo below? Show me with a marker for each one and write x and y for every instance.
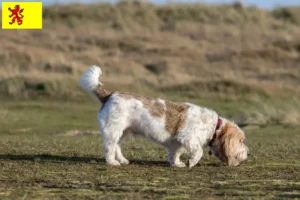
(40, 160)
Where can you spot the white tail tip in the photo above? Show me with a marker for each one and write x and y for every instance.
(90, 79)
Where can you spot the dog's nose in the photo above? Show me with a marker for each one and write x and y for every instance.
(249, 154)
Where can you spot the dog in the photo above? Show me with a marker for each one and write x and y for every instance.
(180, 127)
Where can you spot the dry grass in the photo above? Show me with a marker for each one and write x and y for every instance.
(154, 47)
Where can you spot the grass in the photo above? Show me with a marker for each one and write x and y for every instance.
(39, 162)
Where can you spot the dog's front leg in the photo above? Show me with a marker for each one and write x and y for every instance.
(196, 155)
(174, 153)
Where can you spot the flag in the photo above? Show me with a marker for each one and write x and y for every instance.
(22, 15)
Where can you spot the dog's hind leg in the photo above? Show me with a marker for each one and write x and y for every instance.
(111, 147)
(113, 151)
(112, 124)
(119, 155)
(112, 135)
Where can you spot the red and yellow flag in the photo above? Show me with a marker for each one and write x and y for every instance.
(22, 15)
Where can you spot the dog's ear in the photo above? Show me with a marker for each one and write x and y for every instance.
(229, 139)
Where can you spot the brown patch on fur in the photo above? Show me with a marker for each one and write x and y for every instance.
(155, 108)
(102, 94)
(176, 114)
(227, 139)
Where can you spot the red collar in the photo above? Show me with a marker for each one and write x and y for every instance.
(218, 124)
(215, 133)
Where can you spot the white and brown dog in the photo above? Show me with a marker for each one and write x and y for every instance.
(178, 126)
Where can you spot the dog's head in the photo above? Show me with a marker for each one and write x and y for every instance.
(229, 145)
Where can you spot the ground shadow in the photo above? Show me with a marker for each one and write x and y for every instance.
(150, 163)
(57, 158)
(48, 157)
(86, 159)
(293, 196)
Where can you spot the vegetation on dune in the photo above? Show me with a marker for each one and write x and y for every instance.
(146, 14)
(157, 47)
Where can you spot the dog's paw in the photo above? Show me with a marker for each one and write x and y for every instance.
(113, 163)
(124, 161)
(181, 164)
(191, 163)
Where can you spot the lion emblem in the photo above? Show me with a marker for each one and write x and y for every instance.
(15, 14)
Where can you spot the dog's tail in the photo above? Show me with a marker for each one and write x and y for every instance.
(89, 81)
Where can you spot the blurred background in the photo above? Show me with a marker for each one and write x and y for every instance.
(262, 4)
(239, 57)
